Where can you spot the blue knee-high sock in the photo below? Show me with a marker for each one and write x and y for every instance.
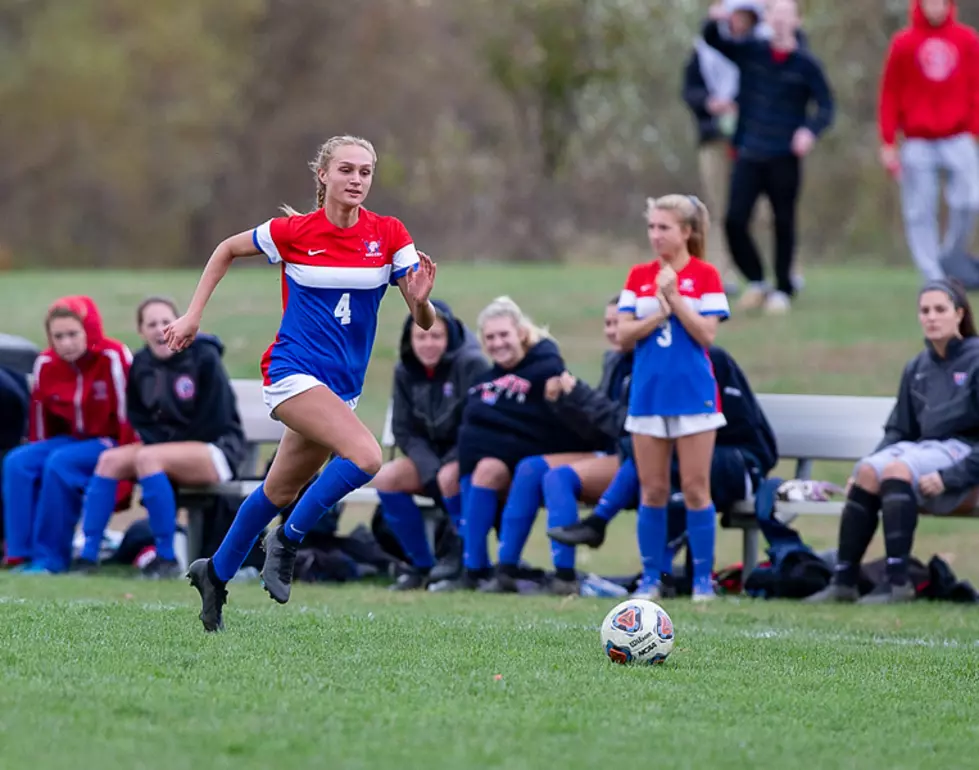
(340, 477)
(408, 524)
(251, 520)
(479, 513)
(701, 531)
(562, 486)
(453, 507)
(621, 493)
(651, 531)
(97, 508)
(523, 501)
(162, 509)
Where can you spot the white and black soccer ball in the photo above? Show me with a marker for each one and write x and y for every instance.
(637, 631)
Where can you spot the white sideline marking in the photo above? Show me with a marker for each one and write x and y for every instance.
(790, 634)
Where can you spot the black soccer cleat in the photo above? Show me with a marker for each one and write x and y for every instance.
(214, 594)
(161, 569)
(280, 563)
(585, 532)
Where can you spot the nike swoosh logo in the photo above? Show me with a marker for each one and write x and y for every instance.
(313, 252)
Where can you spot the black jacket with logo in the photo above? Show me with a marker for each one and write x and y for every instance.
(427, 406)
(938, 398)
(186, 397)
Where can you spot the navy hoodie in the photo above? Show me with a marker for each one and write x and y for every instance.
(427, 406)
(186, 397)
(507, 416)
(747, 427)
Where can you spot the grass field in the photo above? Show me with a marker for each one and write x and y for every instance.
(108, 674)
(116, 674)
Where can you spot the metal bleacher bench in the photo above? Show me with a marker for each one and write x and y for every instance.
(807, 428)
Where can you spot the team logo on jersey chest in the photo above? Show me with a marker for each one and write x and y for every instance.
(184, 387)
(373, 249)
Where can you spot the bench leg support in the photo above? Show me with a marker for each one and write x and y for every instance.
(749, 539)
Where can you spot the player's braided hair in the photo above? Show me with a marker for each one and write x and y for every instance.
(322, 160)
(691, 211)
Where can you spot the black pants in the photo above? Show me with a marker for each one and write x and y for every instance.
(779, 180)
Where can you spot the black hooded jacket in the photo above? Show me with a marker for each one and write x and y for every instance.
(507, 416)
(599, 413)
(747, 427)
(186, 397)
(939, 399)
(427, 406)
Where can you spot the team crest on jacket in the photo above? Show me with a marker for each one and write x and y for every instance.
(184, 387)
(100, 390)
(959, 378)
(373, 249)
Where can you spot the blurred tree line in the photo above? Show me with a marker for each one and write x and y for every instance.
(142, 133)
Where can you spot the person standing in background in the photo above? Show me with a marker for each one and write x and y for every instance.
(930, 94)
(780, 84)
(710, 90)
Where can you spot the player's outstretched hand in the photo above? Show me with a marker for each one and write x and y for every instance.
(181, 333)
(421, 280)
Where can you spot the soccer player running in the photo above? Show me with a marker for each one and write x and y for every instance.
(669, 310)
(337, 262)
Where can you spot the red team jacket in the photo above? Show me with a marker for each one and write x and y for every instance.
(930, 85)
(87, 398)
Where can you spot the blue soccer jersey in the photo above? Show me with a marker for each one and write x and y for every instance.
(672, 374)
(333, 280)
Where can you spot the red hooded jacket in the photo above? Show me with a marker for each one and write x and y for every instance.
(86, 398)
(930, 85)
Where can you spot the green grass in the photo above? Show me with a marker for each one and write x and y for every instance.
(110, 674)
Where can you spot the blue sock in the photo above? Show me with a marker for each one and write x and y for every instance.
(453, 507)
(479, 514)
(100, 502)
(621, 493)
(562, 486)
(522, 504)
(339, 478)
(251, 520)
(162, 509)
(701, 530)
(651, 531)
(408, 524)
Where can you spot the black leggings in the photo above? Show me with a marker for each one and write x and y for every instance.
(778, 179)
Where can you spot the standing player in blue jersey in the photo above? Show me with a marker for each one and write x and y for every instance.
(670, 309)
(337, 262)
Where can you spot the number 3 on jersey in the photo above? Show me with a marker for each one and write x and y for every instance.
(343, 309)
(664, 334)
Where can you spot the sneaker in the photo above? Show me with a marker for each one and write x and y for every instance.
(584, 532)
(450, 565)
(465, 582)
(648, 589)
(778, 303)
(890, 594)
(753, 297)
(84, 567)
(214, 595)
(558, 587)
(161, 569)
(280, 563)
(410, 581)
(834, 592)
(500, 583)
(701, 595)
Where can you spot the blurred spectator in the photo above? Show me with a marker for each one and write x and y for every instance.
(506, 418)
(183, 409)
(431, 380)
(710, 89)
(780, 81)
(77, 411)
(930, 94)
(559, 481)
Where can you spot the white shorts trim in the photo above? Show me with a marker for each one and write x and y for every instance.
(676, 426)
(290, 386)
(221, 466)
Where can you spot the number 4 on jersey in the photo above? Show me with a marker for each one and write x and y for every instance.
(343, 309)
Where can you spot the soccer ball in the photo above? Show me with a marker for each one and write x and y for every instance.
(637, 631)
